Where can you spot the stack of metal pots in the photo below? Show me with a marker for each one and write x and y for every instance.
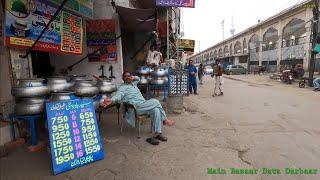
(144, 74)
(159, 76)
(30, 96)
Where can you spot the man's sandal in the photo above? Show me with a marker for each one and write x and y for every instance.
(161, 138)
(152, 141)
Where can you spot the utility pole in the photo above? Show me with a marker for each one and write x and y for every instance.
(315, 23)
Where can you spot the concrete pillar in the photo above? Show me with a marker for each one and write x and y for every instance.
(279, 27)
(307, 45)
(260, 46)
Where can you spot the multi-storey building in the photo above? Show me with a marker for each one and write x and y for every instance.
(283, 39)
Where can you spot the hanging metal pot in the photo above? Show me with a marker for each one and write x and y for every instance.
(30, 88)
(58, 83)
(85, 88)
(106, 86)
(29, 106)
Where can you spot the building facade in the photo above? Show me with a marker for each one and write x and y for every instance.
(281, 40)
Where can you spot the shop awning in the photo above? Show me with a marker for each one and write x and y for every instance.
(137, 20)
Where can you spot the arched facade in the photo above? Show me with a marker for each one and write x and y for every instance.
(237, 47)
(294, 33)
(270, 39)
(254, 43)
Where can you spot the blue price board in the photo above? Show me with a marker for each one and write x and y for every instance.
(74, 134)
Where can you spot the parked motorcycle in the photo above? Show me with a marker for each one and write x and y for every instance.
(287, 76)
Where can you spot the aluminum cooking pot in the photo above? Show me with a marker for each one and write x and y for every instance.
(143, 70)
(158, 81)
(58, 83)
(61, 96)
(29, 106)
(144, 80)
(106, 86)
(159, 72)
(85, 88)
(30, 88)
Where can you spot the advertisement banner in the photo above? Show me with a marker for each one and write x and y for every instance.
(186, 45)
(101, 33)
(80, 7)
(176, 3)
(26, 19)
(74, 134)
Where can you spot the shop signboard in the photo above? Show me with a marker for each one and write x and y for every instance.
(74, 134)
(176, 3)
(80, 7)
(186, 45)
(71, 33)
(101, 33)
(26, 19)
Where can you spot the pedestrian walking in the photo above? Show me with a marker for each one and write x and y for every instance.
(200, 73)
(192, 77)
(217, 79)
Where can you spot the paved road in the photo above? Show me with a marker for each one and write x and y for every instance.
(253, 126)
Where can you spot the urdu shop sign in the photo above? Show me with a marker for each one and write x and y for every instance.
(176, 3)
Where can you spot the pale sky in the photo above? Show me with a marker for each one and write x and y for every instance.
(203, 23)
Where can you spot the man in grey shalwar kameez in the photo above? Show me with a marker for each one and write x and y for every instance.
(128, 92)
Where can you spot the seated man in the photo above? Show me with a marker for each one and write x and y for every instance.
(128, 92)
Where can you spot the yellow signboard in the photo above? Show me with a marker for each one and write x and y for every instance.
(186, 45)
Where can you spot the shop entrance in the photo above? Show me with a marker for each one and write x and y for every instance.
(41, 65)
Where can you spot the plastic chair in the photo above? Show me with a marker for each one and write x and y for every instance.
(139, 117)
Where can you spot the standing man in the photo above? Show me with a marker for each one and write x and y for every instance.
(192, 77)
(217, 78)
(200, 73)
(154, 58)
